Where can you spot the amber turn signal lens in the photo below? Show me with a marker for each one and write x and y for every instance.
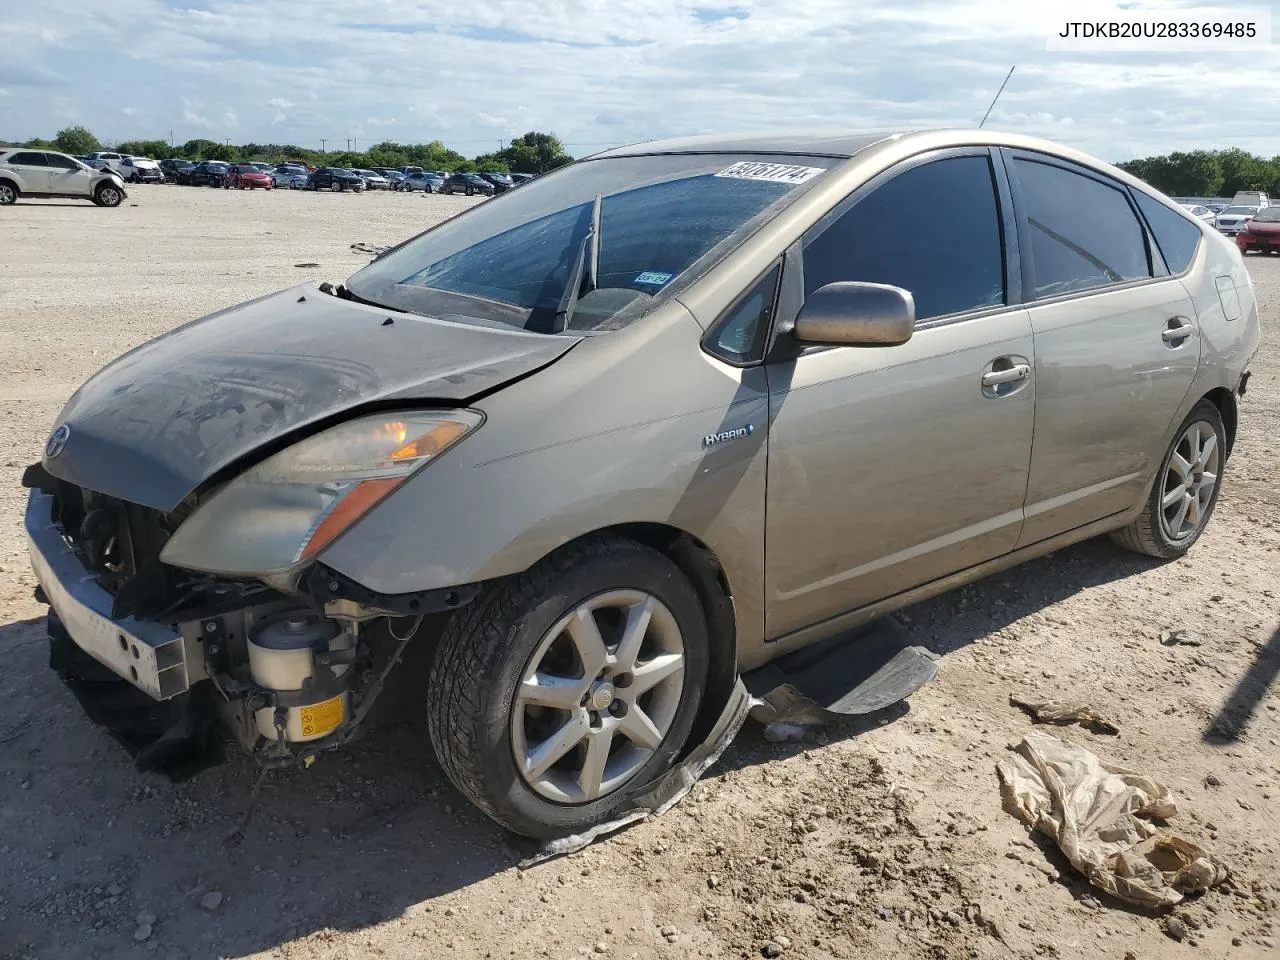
(358, 501)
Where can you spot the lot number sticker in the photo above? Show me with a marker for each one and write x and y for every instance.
(771, 172)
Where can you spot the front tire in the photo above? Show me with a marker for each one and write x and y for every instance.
(8, 193)
(107, 195)
(1185, 490)
(564, 692)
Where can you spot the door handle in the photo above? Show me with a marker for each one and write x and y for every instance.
(1019, 371)
(1179, 328)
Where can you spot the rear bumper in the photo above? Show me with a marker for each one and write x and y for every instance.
(149, 655)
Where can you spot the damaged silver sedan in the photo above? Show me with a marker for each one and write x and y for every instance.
(575, 468)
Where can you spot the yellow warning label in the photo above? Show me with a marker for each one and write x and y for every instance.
(320, 718)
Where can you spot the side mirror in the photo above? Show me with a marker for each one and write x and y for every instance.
(852, 313)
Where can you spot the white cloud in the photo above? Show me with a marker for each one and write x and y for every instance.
(129, 111)
(599, 73)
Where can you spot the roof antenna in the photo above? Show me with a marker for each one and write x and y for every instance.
(997, 96)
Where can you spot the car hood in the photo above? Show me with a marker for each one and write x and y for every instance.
(165, 418)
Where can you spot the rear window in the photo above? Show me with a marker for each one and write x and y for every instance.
(1176, 236)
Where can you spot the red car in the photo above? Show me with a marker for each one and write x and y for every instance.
(1262, 233)
(243, 175)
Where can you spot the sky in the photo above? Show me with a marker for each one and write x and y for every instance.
(600, 73)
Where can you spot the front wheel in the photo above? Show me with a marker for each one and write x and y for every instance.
(563, 693)
(1185, 489)
(107, 195)
(8, 193)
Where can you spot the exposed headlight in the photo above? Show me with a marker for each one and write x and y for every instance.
(279, 514)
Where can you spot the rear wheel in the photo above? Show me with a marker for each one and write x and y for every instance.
(1185, 490)
(562, 694)
(470, 190)
(335, 186)
(8, 193)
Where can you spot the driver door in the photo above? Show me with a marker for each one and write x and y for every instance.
(68, 177)
(893, 466)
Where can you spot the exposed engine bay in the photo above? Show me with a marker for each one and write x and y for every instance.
(289, 675)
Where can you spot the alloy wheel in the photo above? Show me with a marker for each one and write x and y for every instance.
(1190, 479)
(109, 196)
(598, 696)
(7, 196)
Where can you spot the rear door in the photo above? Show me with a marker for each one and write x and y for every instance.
(68, 177)
(1116, 343)
(32, 170)
(893, 466)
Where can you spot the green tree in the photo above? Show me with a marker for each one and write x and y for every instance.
(76, 140)
(534, 153)
(155, 149)
(198, 149)
(1241, 171)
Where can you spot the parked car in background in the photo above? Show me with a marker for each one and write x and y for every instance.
(518, 179)
(245, 518)
(1200, 212)
(426, 182)
(410, 170)
(246, 176)
(105, 159)
(206, 173)
(335, 179)
(1232, 220)
(285, 175)
(140, 170)
(467, 183)
(43, 173)
(373, 180)
(501, 182)
(1250, 198)
(171, 167)
(394, 177)
(1261, 233)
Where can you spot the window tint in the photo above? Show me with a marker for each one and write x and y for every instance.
(1083, 233)
(64, 163)
(740, 335)
(29, 159)
(933, 230)
(1176, 237)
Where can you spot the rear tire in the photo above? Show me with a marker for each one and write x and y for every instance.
(1182, 497)
(477, 692)
(8, 193)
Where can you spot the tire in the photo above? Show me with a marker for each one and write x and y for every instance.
(513, 629)
(336, 187)
(107, 195)
(8, 193)
(470, 190)
(1153, 532)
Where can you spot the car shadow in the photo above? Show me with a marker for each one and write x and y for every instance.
(367, 835)
(1232, 720)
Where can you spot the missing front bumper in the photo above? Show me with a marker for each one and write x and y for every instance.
(148, 655)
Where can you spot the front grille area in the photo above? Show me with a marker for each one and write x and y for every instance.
(116, 540)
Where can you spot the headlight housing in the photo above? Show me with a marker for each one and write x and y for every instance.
(277, 515)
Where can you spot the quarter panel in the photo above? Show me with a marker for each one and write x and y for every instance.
(612, 434)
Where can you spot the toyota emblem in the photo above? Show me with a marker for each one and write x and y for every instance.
(57, 442)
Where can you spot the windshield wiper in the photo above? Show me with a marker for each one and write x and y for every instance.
(588, 262)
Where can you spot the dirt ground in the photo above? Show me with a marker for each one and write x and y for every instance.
(885, 838)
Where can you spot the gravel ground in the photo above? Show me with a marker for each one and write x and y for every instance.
(884, 838)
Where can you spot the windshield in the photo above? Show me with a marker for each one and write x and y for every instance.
(1269, 215)
(663, 221)
(1245, 211)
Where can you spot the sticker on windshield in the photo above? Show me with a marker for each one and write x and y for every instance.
(771, 172)
(655, 277)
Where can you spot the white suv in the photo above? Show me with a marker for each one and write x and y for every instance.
(39, 173)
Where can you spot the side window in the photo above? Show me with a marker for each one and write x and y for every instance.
(1084, 234)
(933, 230)
(28, 159)
(739, 336)
(1176, 236)
(63, 163)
